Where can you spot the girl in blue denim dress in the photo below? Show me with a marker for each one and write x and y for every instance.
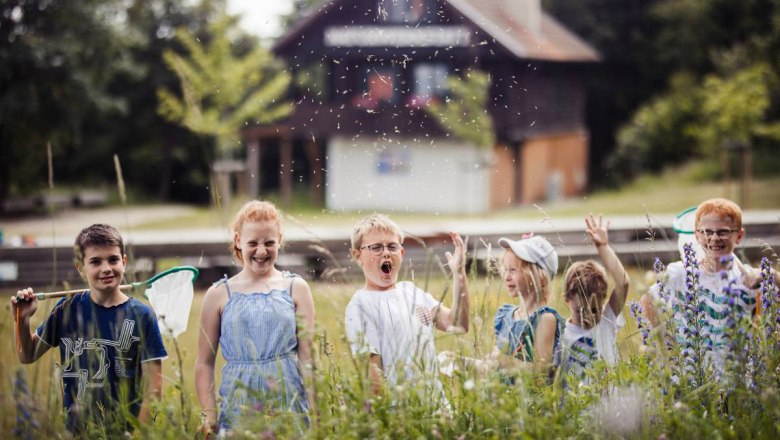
(263, 320)
(527, 334)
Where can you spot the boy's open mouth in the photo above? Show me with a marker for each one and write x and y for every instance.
(386, 267)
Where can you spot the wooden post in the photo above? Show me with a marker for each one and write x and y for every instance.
(316, 166)
(747, 170)
(253, 167)
(724, 160)
(285, 171)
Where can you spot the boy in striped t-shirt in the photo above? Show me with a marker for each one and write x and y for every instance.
(595, 314)
(722, 275)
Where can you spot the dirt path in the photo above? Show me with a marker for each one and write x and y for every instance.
(69, 223)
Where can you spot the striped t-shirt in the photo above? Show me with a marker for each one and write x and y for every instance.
(714, 304)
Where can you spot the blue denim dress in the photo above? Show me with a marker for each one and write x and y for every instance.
(515, 337)
(258, 340)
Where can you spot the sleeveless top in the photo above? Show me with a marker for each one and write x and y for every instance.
(258, 341)
(515, 337)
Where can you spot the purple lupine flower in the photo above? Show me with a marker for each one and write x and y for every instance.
(663, 293)
(641, 323)
(693, 344)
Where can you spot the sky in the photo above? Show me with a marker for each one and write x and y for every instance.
(260, 17)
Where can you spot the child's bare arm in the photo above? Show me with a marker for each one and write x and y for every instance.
(304, 313)
(545, 340)
(152, 377)
(208, 342)
(457, 318)
(648, 309)
(597, 230)
(375, 373)
(29, 347)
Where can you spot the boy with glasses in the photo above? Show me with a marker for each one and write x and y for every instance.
(718, 232)
(391, 323)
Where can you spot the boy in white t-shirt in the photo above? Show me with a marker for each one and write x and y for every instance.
(595, 318)
(391, 322)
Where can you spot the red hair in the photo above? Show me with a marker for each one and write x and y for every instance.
(253, 211)
(722, 207)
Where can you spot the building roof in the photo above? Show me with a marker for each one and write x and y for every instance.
(551, 41)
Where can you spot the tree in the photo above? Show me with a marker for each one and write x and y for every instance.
(730, 93)
(300, 8)
(221, 92)
(57, 60)
(222, 89)
(464, 111)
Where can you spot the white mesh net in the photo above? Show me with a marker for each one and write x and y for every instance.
(685, 225)
(171, 299)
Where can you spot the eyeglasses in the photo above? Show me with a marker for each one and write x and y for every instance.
(721, 233)
(379, 248)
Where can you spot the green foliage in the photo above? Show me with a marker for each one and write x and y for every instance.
(659, 132)
(464, 111)
(300, 8)
(730, 91)
(735, 107)
(57, 61)
(221, 91)
(698, 118)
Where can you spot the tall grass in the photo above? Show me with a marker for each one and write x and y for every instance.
(636, 398)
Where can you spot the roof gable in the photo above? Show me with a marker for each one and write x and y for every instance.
(549, 40)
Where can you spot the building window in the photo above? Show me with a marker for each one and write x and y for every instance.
(401, 11)
(379, 86)
(430, 83)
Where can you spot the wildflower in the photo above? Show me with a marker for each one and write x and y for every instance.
(468, 385)
(641, 322)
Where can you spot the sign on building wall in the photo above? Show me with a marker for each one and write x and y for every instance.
(397, 36)
(394, 161)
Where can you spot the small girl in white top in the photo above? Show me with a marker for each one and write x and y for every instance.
(591, 331)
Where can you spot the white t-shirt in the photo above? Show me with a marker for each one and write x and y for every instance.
(716, 305)
(581, 347)
(396, 324)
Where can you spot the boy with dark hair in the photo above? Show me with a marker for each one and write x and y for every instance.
(111, 350)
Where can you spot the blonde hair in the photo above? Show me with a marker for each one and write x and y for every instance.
(539, 277)
(374, 222)
(587, 280)
(253, 211)
(721, 207)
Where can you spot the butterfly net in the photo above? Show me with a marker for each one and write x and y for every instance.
(685, 225)
(171, 298)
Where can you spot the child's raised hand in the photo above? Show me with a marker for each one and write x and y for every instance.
(597, 230)
(24, 303)
(750, 277)
(457, 259)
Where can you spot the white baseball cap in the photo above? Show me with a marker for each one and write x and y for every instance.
(536, 250)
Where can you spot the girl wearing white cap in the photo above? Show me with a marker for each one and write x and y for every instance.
(528, 334)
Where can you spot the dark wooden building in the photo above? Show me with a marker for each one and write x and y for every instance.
(364, 70)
